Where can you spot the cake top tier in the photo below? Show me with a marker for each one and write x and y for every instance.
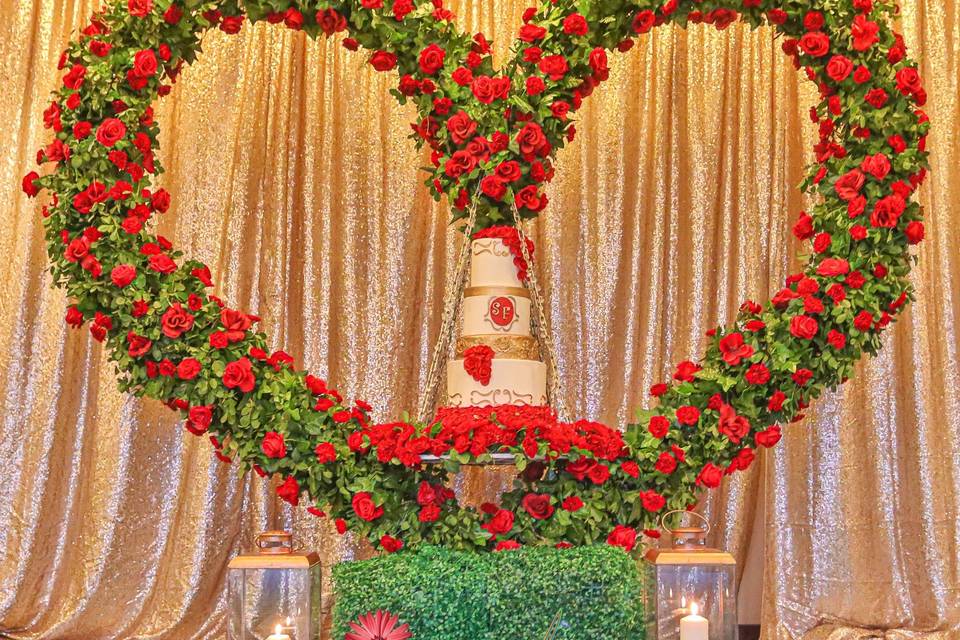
(497, 260)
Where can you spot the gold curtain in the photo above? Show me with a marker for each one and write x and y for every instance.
(293, 178)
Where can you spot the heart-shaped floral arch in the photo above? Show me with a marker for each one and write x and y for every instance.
(494, 135)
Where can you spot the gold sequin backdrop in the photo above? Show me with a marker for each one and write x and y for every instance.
(293, 178)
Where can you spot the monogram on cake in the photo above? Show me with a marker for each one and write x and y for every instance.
(497, 361)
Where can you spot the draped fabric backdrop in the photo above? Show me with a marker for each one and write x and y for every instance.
(293, 178)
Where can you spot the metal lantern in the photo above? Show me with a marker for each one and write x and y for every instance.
(274, 593)
(690, 590)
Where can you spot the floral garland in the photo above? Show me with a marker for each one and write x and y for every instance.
(496, 132)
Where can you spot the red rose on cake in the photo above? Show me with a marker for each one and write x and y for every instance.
(478, 363)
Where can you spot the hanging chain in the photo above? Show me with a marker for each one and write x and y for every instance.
(451, 310)
(543, 331)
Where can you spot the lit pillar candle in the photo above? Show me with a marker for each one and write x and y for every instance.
(693, 626)
(277, 635)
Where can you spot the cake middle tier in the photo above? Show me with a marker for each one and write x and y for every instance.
(511, 382)
(496, 311)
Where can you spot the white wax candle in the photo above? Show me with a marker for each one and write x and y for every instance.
(277, 635)
(693, 626)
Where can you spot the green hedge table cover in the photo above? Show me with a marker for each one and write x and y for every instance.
(454, 595)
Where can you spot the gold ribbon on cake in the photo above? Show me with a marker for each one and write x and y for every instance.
(512, 347)
(520, 292)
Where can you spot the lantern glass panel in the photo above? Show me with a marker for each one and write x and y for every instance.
(274, 594)
(675, 587)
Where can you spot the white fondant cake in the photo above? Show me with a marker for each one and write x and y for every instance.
(511, 382)
(496, 313)
(491, 264)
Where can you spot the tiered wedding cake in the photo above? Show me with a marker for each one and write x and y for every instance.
(496, 323)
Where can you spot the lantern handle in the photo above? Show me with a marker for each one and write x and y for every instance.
(694, 513)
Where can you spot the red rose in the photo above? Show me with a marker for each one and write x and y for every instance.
(849, 184)
(199, 417)
(289, 491)
(461, 127)
(815, 43)
(914, 232)
(478, 363)
(839, 68)
(685, 371)
(341, 525)
(572, 504)
(325, 453)
(554, 67)
(231, 24)
(864, 33)
(630, 468)
(802, 376)
(110, 132)
(493, 187)
(658, 426)
(652, 501)
(575, 25)
(139, 8)
(622, 536)
(804, 327)
(876, 165)
(365, 508)
(431, 59)
(236, 323)
(908, 80)
(537, 505)
(666, 464)
(710, 476)
(733, 348)
(758, 374)
(401, 8)
(123, 274)
(507, 545)
(876, 98)
(137, 345)
(273, 445)
(863, 321)
(162, 263)
(734, 426)
(832, 267)
(644, 21)
(768, 437)
(742, 461)
(383, 60)
(532, 142)
(535, 85)
(145, 63)
(532, 32)
(501, 523)
(887, 211)
(531, 199)
(239, 375)
(188, 368)
(341, 417)
(580, 467)
(836, 339)
(429, 513)
(688, 415)
(330, 21)
(509, 171)
(599, 473)
(173, 14)
(176, 320)
(293, 19)
(74, 317)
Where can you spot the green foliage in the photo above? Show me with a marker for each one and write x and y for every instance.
(450, 595)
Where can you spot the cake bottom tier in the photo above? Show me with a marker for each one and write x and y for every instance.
(511, 382)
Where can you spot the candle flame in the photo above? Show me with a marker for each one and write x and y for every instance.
(683, 601)
(277, 629)
(694, 609)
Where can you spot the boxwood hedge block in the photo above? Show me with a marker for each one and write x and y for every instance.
(455, 595)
